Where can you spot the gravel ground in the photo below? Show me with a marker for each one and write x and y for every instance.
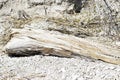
(40, 67)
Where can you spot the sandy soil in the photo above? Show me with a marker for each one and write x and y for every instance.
(40, 67)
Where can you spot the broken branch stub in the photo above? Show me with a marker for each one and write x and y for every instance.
(26, 42)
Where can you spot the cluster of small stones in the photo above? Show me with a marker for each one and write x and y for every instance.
(54, 68)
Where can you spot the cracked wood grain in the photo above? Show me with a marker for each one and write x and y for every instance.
(28, 42)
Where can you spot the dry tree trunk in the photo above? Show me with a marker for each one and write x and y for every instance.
(28, 42)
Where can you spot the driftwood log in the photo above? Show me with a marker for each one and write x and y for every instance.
(28, 42)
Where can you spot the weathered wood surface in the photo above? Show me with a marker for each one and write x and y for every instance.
(27, 42)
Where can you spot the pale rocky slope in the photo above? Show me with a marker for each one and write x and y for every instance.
(54, 15)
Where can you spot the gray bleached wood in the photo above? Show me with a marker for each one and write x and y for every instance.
(27, 42)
